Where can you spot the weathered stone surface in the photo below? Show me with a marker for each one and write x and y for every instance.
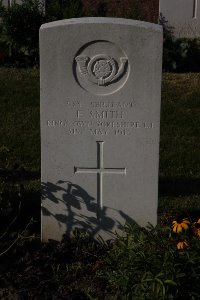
(183, 16)
(100, 111)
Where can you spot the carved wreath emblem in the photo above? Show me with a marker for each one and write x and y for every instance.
(101, 69)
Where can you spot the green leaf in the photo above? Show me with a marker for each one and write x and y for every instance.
(180, 275)
(170, 282)
(159, 281)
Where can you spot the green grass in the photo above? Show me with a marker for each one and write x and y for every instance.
(179, 137)
(20, 118)
(180, 126)
(180, 144)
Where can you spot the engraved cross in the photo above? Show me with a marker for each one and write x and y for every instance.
(100, 170)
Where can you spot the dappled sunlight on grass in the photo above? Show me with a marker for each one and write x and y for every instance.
(180, 125)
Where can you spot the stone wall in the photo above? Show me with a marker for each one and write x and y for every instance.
(183, 16)
(149, 9)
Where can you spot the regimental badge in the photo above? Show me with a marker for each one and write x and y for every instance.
(101, 69)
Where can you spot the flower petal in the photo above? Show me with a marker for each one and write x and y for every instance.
(184, 226)
(186, 221)
(179, 228)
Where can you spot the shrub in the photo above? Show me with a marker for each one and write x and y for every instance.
(179, 55)
(57, 10)
(19, 31)
(146, 264)
(187, 56)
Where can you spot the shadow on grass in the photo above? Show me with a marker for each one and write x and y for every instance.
(177, 186)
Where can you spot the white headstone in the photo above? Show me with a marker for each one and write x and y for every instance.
(8, 3)
(100, 111)
(183, 15)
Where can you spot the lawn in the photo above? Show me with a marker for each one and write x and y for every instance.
(179, 189)
(179, 195)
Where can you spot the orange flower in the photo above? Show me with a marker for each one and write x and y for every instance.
(196, 228)
(182, 244)
(179, 225)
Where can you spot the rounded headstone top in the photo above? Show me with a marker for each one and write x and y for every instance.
(101, 20)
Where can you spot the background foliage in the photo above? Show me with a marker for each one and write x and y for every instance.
(65, 9)
(19, 32)
(19, 39)
(179, 55)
